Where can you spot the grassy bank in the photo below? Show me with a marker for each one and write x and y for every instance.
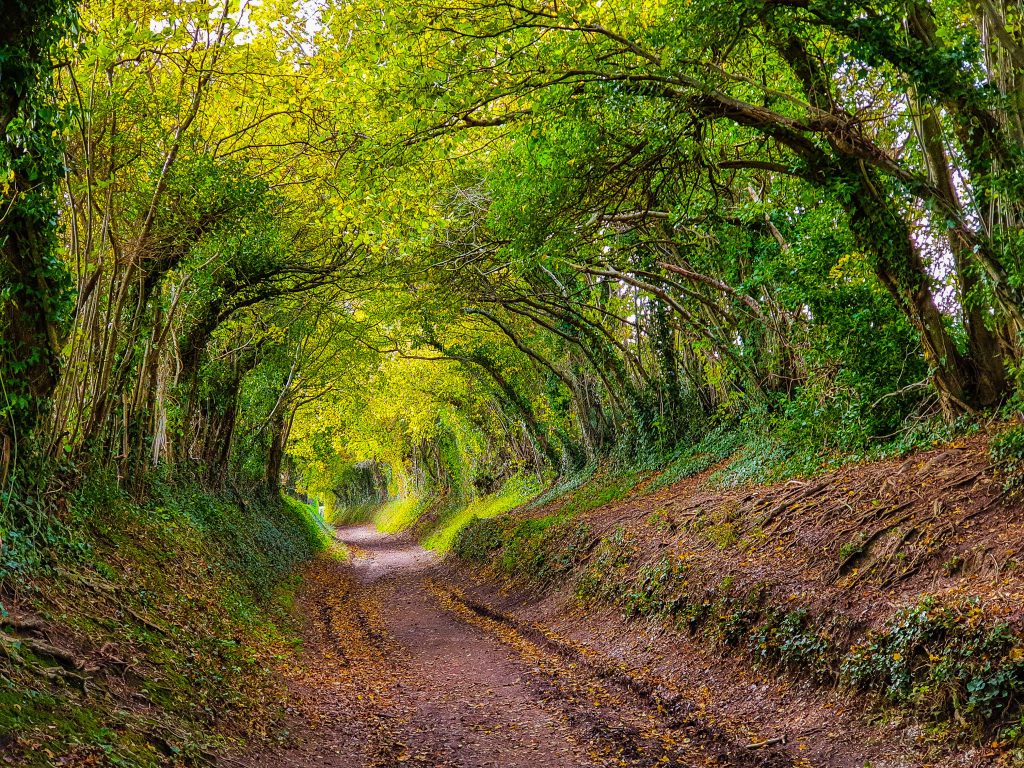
(144, 633)
(436, 522)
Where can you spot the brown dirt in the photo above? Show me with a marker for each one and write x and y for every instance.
(399, 669)
(861, 541)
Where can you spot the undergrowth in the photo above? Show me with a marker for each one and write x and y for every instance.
(439, 520)
(1007, 453)
(445, 530)
(398, 514)
(146, 632)
(948, 660)
(533, 550)
(719, 444)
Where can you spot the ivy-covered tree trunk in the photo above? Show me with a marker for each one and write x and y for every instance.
(279, 429)
(673, 417)
(982, 343)
(899, 267)
(33, 281)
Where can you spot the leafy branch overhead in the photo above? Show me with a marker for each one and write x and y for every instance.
(466, 240)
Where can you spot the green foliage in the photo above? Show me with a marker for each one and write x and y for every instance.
(851, 549)
(658, 589)
(667, 587)
(35, 299)
(194, 590)
(535, 551)
(261, 542)
(446, 530)
(943, 659)
(564, 485)
(599, 491)
(1007, 452)
(398, 514)
(606, 570)
(719, 444)
(580, 245)
(788, 639)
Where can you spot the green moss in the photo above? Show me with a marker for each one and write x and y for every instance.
(190, 588)
(59, 726)
(722, 535)
(851, 549)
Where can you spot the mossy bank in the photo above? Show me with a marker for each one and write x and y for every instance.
(145, 633)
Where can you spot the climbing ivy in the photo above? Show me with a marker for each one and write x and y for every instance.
(35, 295)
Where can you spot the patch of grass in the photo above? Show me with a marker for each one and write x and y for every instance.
(765, 459)
(398, 514)
(351, 514)
(772, 450)
(600, 491)
(514, 493)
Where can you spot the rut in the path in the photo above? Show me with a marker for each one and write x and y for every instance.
(397, 670)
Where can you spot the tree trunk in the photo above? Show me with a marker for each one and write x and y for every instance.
(32, 278)
(983, 345)
(275, 453)
(883, 234)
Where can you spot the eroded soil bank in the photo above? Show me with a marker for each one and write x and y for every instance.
(870, 615)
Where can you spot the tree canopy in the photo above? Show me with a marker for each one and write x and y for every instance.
(348, 245)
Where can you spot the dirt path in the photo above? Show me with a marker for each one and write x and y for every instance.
(398, 670)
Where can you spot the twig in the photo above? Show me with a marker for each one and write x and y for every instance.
(768, 742)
